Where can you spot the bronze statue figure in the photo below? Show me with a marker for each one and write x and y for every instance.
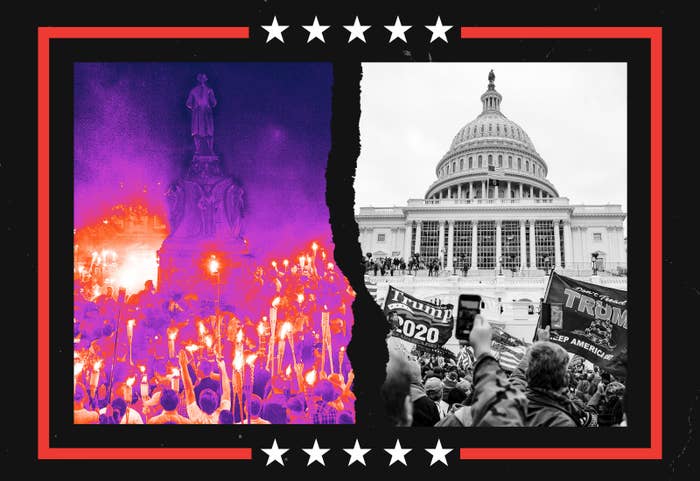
(201, 101)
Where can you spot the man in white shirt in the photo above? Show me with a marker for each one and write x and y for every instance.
(207, 412)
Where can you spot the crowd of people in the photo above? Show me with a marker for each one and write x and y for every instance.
(390, 266)
(546, 388)
(157, 358)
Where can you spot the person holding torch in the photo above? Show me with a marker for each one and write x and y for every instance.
(209, 401)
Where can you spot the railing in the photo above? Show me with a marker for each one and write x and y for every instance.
(499, 201)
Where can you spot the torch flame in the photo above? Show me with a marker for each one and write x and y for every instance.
(308, 259)
(192, 348)
(288, 371)
(131, 322)
(311, 377)
(285, 262)
(286, 327)
(261, 328)
(239, 336)
(330, 266)
(130, 381)
(208, 341)
(274, 264)
(213, 265)
(77, 368)
(202, 330)
(142, 369)
(251, 359)
(238, 361)
(275, 302)
(314, 246)
(172, 333)
(97, 366)
(300, 298)
(175, 372)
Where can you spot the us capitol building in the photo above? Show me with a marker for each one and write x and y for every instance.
(496, 225)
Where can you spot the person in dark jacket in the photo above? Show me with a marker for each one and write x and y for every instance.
(608, 403)
(425, 412)
(542, 375)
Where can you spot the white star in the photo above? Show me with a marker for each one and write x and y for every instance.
(315, 30)
(356, 30)
(438, 30)
(315, 453)
(275, 30)
(397, 454)
(274, 453)
(439, 454)
(357, 453)
(397, 30)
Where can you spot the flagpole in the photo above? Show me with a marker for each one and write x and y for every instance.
(546, 293)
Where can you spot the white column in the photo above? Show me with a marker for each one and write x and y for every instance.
(568, 258)
(585, 247)
(450, 246)
(498, 244)
(441, 243)
(533, 254)
(483, 190)
(474, 246)
(521, 190)
(557, 243)
(417, 248)
(471, 190)
(611, 254)
(459, 191)
(523, 247)
(407, 242)
(508, 193)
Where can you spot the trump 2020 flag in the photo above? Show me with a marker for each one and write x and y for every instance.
(589, 320)
(423, 323)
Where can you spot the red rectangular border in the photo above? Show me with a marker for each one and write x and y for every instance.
(45, 34)
(654, 451)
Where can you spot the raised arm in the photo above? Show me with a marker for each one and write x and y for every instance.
(186, 380)
(225, 382)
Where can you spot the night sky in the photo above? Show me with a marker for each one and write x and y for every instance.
(272, 132)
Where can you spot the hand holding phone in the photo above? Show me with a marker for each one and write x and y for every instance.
(468, 306)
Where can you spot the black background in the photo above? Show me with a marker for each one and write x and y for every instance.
(680, 290)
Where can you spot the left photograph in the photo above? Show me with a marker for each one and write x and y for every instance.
(205, 288)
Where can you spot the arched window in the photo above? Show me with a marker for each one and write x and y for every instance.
(527, 166)
(480, 161)
(461, 164)
(520, 163)
(454, 167)
(470, 162)
(490, 159)
(500, 161)
(510, 161)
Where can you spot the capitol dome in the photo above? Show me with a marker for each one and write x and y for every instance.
(491, 157)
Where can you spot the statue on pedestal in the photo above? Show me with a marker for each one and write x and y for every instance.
(201, 101)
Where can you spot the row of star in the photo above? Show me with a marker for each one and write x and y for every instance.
(357, 453)
(357, 30)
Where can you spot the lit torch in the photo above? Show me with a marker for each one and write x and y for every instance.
(95, 376)
(250, 361)
(286, 264)
(172, 334)
(175, 379)
(130, 335)
(273, 330)
(237, 367)
(310, 377)
(341, 356)
(144, 382)
(128, 389)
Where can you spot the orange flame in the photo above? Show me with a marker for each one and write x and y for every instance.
(201, 327)
(308, 259)
(208, 341)
(213, 265)
(130, 381)
(238, 361)
(261, 328)
(274, 264)
(97, 366)
(142, 369)
(300, 298)
(250, 360)
(172, 333)
(285, 262)
(192, 348)
(239, 336)
(288, 371)
(174, 372)
(310, 377)
(330, 266)
(131, 322)
(314, 246)
(77, 368)
(275, 302)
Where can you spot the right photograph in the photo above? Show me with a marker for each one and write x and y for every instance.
(491, 200)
